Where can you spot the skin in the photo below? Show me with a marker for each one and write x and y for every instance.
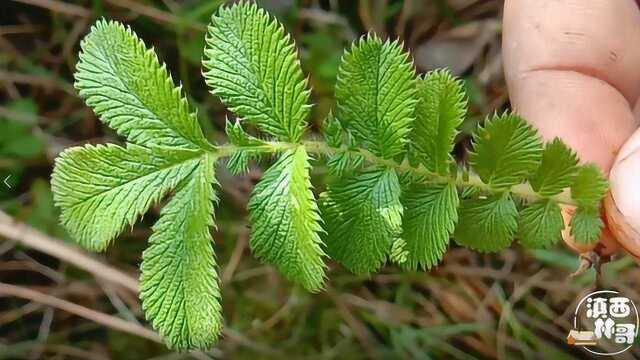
(573, 71)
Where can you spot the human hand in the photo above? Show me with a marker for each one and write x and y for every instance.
(573, 70)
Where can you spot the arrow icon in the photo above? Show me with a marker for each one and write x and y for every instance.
(6, 181)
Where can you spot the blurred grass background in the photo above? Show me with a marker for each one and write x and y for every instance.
(512, 305)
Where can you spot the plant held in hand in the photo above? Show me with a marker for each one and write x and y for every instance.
(398, 193)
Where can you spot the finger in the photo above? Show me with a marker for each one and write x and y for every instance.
(592, 37)
(562, 76)
(572, 74)
(623, 203)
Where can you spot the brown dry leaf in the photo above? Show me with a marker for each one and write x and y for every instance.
(458, 48)
(384, 310)
(456, 306)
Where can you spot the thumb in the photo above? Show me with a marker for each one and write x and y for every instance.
(622, 205)
(561, 79)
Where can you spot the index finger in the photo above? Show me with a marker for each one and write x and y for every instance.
(572, 72)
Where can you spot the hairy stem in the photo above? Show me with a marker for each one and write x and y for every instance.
(522, 191)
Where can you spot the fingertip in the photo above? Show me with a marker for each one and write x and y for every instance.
(591, 37)
(622, 204)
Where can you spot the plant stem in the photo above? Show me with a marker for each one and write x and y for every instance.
(523, 191)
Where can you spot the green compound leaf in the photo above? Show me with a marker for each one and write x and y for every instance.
(285, 223)
(557, 169)
(179, 285)
(506, 151)
(375, 95)
(101, 189)
(431, 213)
(440, 110)
(541, 224)
(363, 216)
(487, 224)
(132, 93)
(251, 64)
(589, 186)
(586, 225)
